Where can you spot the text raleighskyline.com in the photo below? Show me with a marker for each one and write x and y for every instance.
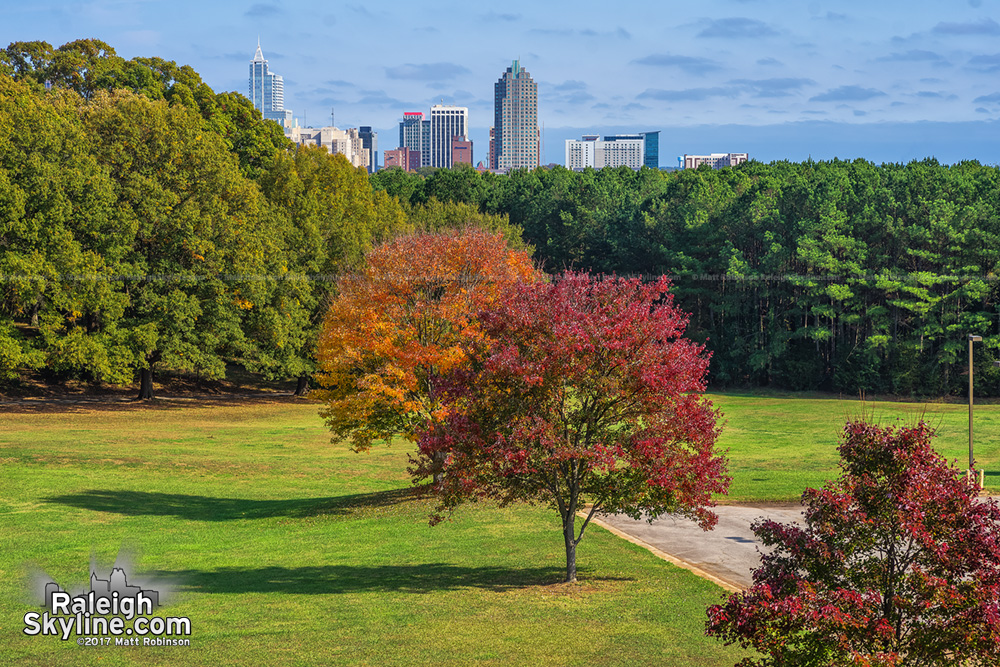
(112, 607)
(36, 623)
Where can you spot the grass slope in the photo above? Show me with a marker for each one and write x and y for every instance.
(781, 444)
(286, 550)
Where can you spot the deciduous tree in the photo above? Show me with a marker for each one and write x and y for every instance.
(898, 563)
(59, 250)
(329, 217)
(193, 235)
(404, 320)
(582, 391)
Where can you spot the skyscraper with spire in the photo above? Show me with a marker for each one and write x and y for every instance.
(267, 91)
(514, 136)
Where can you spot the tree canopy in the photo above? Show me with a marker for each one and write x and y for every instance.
(582, 394)
(844, 276)
(149, 222)
(402, 322)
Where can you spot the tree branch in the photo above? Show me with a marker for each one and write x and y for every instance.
(586, 522)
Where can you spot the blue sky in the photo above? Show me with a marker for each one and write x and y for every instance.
(885, 80)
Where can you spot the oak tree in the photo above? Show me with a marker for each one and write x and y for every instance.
(192, 247)
(328, 217)
(584, 394)
(58, 240)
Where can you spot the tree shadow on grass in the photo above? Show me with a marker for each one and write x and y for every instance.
(207, 508)
(334, 579)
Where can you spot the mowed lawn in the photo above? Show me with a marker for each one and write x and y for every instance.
(284, 549)
(779, 445)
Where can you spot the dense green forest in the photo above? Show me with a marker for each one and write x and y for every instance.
(147, 222)
(843, 276)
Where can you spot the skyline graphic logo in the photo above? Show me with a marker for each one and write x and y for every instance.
(112, 611)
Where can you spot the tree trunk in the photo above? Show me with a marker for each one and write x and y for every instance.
(145, 384)
(302, 388)
(569, 524)
(438, 458)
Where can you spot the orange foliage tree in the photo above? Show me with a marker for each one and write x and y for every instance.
(402, 322)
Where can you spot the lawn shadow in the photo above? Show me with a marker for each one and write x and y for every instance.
(120, 402)
(208, 508)
(335, 579)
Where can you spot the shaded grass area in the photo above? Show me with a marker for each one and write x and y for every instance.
(338, 579)
(208, 508)
(780, 444)
(283, 549)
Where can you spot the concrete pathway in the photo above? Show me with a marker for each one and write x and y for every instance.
(725, 555)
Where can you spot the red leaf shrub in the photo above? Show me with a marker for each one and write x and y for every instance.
(898, 564)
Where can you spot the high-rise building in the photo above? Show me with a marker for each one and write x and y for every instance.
(651, 149)
(369, 143)
(515, 121)
(621, 150)
(461, 151)
(415, 134)
(615, 150)
(448, 123)
(267, 91)
(581, 153)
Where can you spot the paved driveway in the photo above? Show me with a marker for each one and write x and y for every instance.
(728, 552)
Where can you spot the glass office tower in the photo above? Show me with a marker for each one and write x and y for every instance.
(267, 91)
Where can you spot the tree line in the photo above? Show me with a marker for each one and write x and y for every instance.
(147, 222)
(844, 276)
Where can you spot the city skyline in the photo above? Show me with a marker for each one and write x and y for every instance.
(891, 81)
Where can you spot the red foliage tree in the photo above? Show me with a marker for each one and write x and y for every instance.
(581, 391)
(898, 564)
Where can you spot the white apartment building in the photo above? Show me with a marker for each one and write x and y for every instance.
(715, 160)
(612, 151)
(580, 153)
(346, 142)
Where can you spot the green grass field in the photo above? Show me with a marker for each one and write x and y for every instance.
(284, 549)
(781, 444)
(287, 550)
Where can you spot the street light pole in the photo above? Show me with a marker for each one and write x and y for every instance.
(972, 461)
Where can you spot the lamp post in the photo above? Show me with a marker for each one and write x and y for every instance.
(972, 461)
